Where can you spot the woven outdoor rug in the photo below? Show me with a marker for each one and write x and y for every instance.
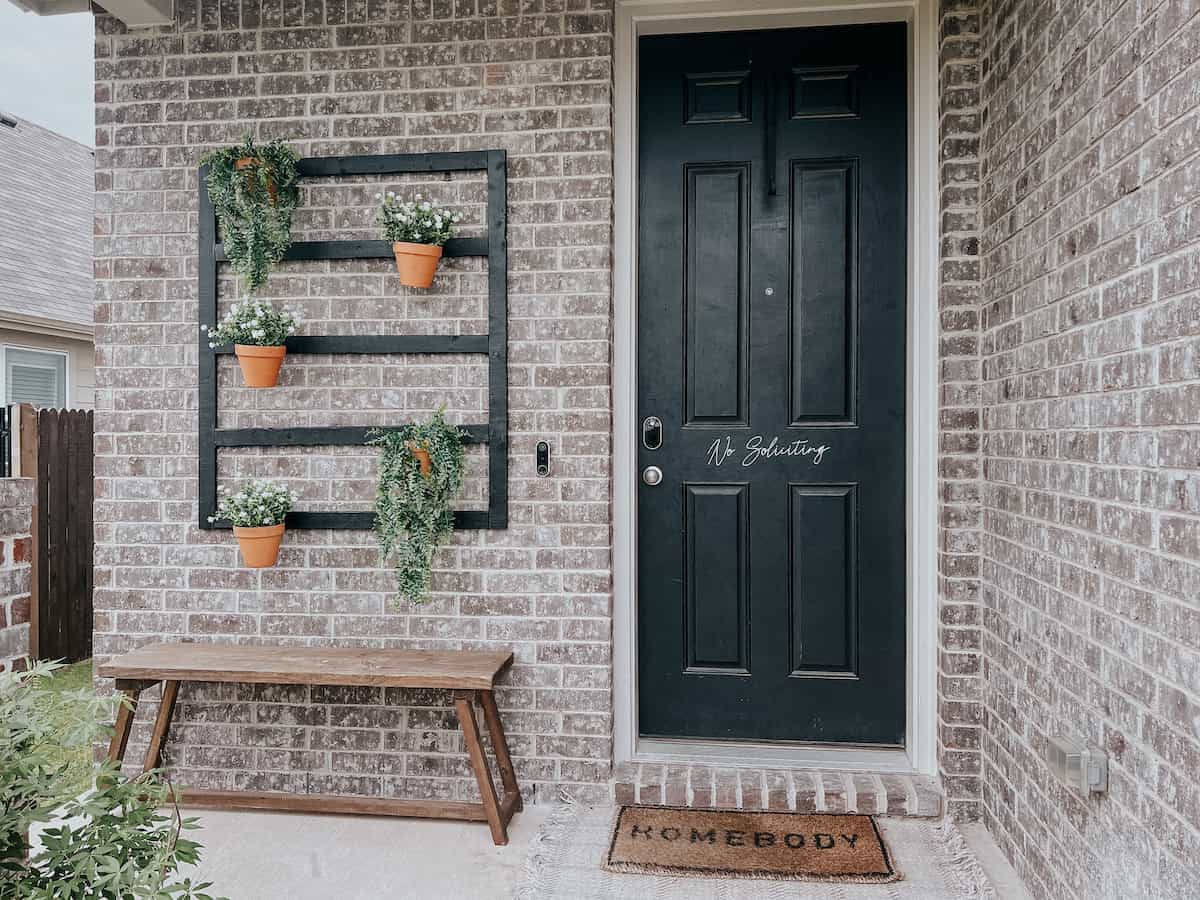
(567, 859)
(657, 840)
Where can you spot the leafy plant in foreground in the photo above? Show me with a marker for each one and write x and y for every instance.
(114, 842)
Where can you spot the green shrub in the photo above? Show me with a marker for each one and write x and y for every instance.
(114, 843)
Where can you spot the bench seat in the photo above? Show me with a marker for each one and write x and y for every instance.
(469, 674)
(468, 670)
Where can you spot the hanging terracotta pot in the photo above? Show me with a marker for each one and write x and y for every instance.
(260, 365)
(259, 546)
(423, 457)
(416, 263)
(249, 165)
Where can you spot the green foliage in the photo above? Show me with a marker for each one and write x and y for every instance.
(258, 503)
(254, 322)
(78, 758)
(114, 843)
(416, 505)
(254, 205)
(415, 221)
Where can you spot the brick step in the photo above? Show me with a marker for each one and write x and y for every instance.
(791, 790)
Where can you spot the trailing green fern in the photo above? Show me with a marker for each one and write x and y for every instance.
(412, 511)
(254, 204)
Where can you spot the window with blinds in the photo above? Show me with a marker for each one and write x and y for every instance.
(34, 376)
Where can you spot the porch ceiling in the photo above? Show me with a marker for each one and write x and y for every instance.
(134, 13)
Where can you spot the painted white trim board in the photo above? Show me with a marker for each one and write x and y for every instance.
(635, 18)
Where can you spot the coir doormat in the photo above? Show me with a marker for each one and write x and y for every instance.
(736, 844)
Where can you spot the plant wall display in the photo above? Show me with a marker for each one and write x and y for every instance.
(418, 230)
(254, 191)
(257, 331)
(257, 512)
(421, 470)
(492, 346)
(112, 843)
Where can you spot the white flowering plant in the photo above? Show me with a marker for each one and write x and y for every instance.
(415, 221)
(255, 323)
(257, 504)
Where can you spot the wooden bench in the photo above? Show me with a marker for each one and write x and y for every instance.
(470, 675)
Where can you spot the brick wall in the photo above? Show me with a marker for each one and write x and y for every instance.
(1090, 217)
(16, 501)
(960, 710)
(337, 78)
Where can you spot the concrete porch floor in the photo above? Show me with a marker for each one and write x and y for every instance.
(264, 856)
(290, 856)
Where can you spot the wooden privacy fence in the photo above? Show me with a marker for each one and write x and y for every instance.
(56, 450)
(6, 430)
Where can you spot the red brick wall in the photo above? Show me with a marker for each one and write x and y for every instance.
(16, 502)
(1090, 223)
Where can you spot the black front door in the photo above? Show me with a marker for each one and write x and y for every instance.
(771, 347)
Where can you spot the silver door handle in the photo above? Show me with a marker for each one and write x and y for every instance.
(652, 475)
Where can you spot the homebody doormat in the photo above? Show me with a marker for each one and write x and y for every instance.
(739, 844)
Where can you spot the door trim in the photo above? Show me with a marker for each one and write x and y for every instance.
(635, 18)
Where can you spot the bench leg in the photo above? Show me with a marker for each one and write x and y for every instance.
(483, 775)
(162, 724)
(508, 775)
(125, 712)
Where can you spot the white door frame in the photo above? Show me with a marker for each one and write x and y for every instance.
(635, 18)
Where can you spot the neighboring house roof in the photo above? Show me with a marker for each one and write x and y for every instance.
(47, 185)
(134, 13)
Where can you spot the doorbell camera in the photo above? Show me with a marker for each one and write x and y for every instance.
(543, 458)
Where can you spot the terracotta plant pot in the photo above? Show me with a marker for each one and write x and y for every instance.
(416, 263)
(423, 458)
(259, 546)
(260, 365)
(248, 164)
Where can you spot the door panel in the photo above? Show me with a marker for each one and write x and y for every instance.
(823, 548)
(771, 344)
(824, 203)
(715, 304)
(717, 580)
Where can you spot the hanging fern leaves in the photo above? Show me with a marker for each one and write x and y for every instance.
(254, 191)
(412, 511)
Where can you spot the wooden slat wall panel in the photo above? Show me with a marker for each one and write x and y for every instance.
(63, 588)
